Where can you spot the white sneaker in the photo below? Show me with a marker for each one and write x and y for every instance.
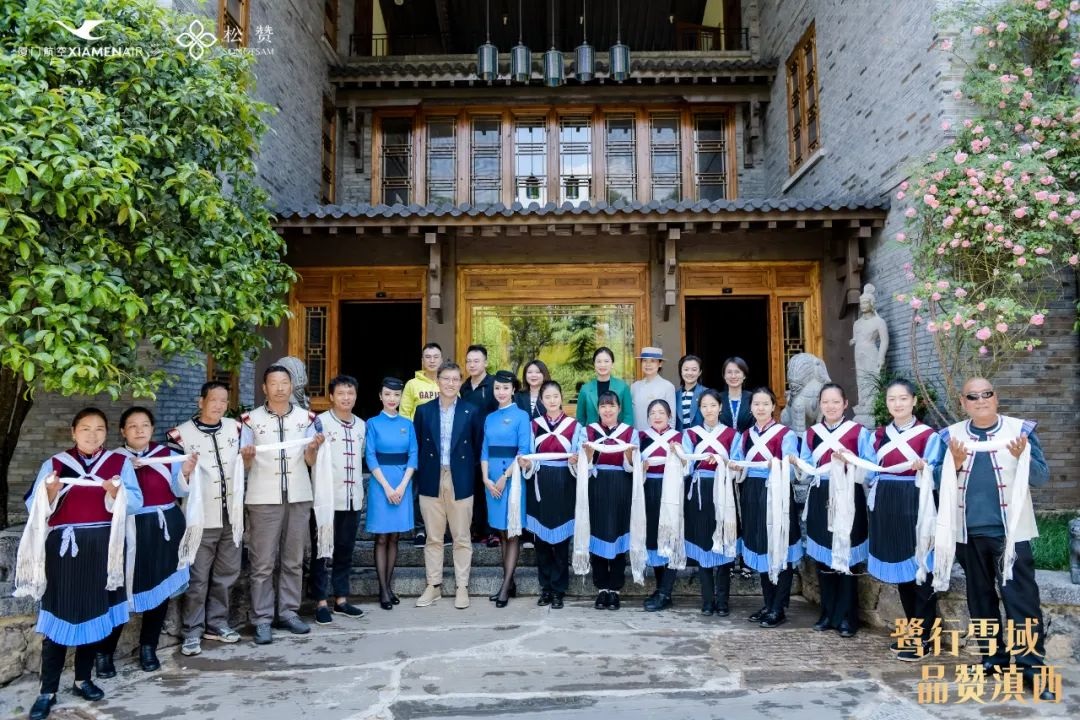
(191, 646)
(223, 634)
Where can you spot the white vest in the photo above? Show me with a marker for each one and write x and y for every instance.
(347, 495)
(217, 454)
(280, 476)
(1011, 428)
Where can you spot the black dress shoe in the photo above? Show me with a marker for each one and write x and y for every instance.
(386, 604)
(148, 659)
(546, 598)
(756, 617)
(722, 610)
(557, 602)
(658, 602)
(613, 600)
(502, 603)
(104, 667)
(772, 620)
(601, 600)
(846, 630)
(708, 608)
(42, 706)
(823, 624)
(394, 599)
(494, 596)
(87, 690)
(1046, 694)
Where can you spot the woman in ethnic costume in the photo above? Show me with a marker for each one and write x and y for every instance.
(656, 442)
(72, 541)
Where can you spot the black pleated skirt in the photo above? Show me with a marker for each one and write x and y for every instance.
(610, 494)
(892, 523)
(817, 516)
(551, 517)
(156, 577)
(753, 502)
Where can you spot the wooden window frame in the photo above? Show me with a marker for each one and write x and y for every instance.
(551, 114)
(799, 147)
(331, 14)
(225, 20)
(731, 186)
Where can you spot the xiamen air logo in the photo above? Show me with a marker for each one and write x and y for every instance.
(196, 40)
(84, 31)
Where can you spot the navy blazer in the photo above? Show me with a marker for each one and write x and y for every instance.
(745, 419)
(466, 441)
(522, 400)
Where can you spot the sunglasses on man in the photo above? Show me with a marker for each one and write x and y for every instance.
(984, 395)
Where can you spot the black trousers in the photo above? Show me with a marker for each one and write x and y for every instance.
(153, 621)
(839, 596)
(553, 565)
(777, 596)
(52, 663)
(715, 584)
(919, 602)
(479, 525)
(665, 579)
(327, 572)
(608, 574)
(981, 559)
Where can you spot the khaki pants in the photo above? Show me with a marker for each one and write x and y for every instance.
(438, 512)
(277, 540)
(217, 566)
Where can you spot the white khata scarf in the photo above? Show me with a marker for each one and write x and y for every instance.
(582, 529)
(670, 530)
(778, 495)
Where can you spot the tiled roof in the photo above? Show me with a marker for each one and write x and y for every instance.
(464, 67)
(617, 211)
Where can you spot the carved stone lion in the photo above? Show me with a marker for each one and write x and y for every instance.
(806, 373)
(298, 370)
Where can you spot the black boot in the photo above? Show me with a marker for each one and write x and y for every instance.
(104, 667)
(148, 658)
(42, 706)
(658, 602)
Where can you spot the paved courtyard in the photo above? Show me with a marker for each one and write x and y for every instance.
(530, 662)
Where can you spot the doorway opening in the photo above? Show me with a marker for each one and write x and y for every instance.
(719, 328)
(379, 339)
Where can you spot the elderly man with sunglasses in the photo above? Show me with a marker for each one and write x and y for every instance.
(986, 522)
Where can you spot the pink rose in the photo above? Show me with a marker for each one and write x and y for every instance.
(1037, 319)
(935, 296)
(1021, 261)
(915, 303)
(901, 298)
(910, 212)
(1001, 327)
(1020, 212)
(1074, 259)
(1018, 250)
(900, 195)
(960, 157)
(960, 293)
(983, 333)
(1001, 27)
(981, 306)
(900, 237)
(931, 327)
(983, 350)
(968, 324)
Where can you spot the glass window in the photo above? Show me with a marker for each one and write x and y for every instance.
(794, 318)
(563, 336)
(486, 154)
(530, 161)
(441, 160)
(575, 160)
(710, 156)
(803, 135)
(397, 160)
(664, 151)
(620, 151)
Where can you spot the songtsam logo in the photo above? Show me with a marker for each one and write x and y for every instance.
(196, 40)
(84, 31)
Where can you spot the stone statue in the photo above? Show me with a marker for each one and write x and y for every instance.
(806, 374)
(1074, 550)
(297, 369)
(870, 337)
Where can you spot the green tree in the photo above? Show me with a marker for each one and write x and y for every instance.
(131, 228)
(995, 214)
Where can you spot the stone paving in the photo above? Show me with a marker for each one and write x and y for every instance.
(527, 662)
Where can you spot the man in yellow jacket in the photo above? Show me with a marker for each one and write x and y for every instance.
(422, 387)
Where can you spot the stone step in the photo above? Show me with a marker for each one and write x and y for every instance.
(411, 581)
(411, 556)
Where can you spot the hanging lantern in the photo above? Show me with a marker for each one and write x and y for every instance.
(619, 60)
(532, 187)
(553, 68)
(487, 55)
(585, 60)
(619, 55)
(487, 62)
(553, 59)
(520, 56)
(573, 188)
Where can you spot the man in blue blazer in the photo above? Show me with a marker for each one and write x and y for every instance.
(449, 434)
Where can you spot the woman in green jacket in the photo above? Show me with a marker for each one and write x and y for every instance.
(603, 362)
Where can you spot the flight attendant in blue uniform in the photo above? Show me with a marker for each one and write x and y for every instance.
(507, 434)
(390, 454)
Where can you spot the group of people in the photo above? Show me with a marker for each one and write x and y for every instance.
(647, 475)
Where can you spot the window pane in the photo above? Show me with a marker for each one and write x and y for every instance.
(664, 150)
(794, 319)
(710, 156)
(397, 160)
(315, 317)
(442, 160)
(620, 150)
(530, 161)
(486, 178)
(575, 160)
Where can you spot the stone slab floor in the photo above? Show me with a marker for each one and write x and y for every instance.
(532, 663)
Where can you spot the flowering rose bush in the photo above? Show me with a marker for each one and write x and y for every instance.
(995, 215)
